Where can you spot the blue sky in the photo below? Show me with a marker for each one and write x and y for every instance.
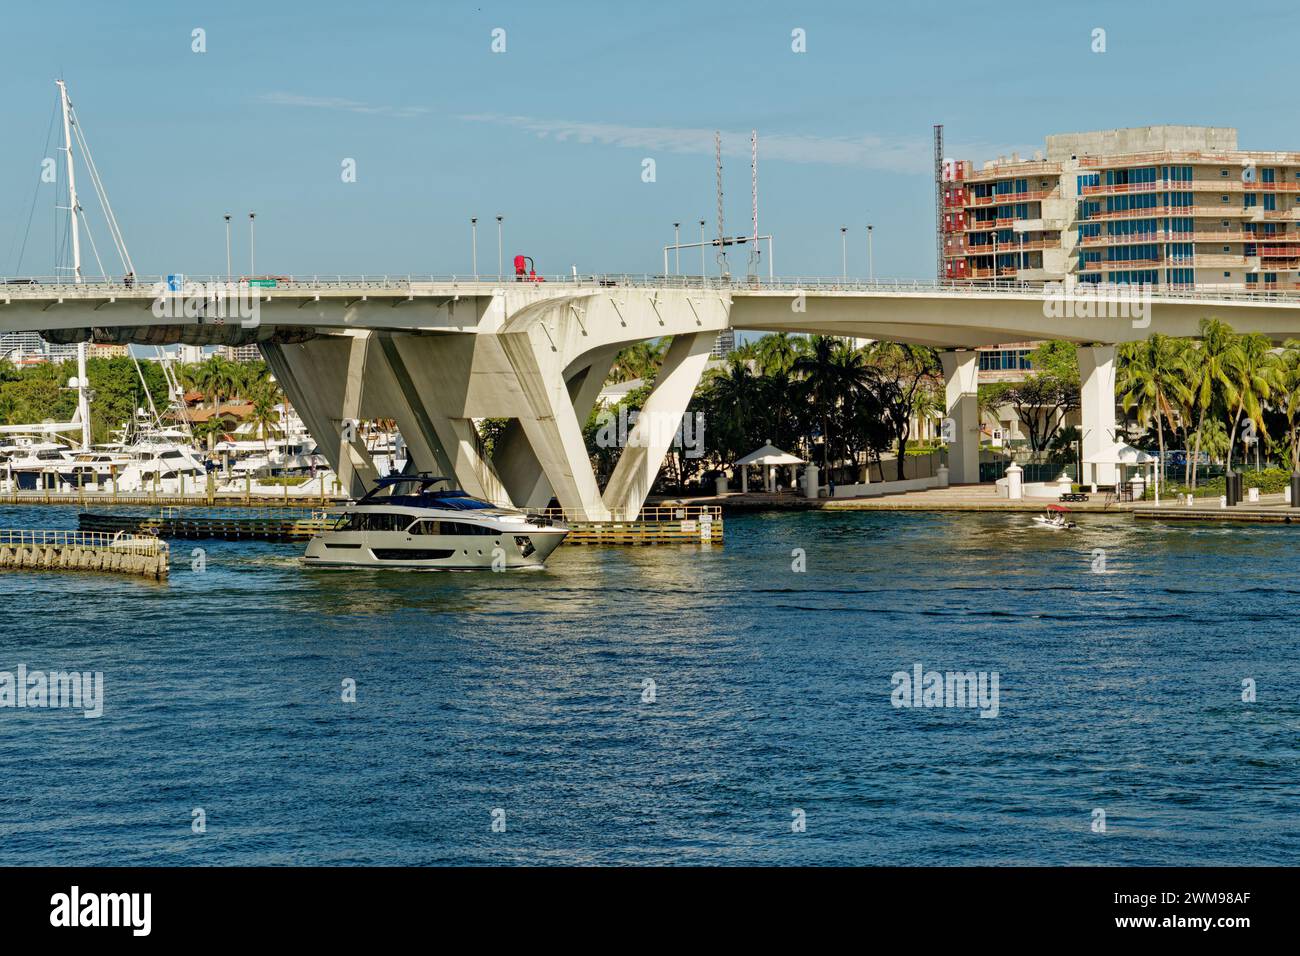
(553, 132)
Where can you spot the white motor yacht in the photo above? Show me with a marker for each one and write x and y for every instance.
(403, 523)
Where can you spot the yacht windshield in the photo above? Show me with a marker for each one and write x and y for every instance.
(414, 491)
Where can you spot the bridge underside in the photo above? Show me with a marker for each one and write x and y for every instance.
(436, 357)
(540, 367)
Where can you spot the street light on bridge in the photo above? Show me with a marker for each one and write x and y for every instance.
(501, 268)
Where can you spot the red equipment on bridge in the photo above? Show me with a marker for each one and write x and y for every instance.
(524, 271)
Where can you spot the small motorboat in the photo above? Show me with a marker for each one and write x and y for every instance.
(1055, 518)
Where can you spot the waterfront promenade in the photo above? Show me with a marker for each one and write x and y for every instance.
(953, 498)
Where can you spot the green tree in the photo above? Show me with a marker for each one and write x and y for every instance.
(1153, 378)
(1253, 379)
(777, 353)
(639, 361)
(1219, 358)
(1287, 396)
(899, 374)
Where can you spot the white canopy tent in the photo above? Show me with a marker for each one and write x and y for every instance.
(1126, 457)
(770, 457)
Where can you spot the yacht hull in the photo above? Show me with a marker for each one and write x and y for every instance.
(507, 551)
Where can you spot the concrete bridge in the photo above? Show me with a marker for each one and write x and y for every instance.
(434, 354)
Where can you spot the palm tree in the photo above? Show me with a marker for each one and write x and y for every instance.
(216, 378)
(639, 361)
(1153, 377)
(1288, 395)
(734, 393)
(266, 416)
(776, 353)
(1255, 376)
(1220, 357)
(830, 371)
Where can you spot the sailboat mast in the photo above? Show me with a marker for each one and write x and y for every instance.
(83, 401)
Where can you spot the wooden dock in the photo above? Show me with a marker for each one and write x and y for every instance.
(141, 555)
(91, 499)
(656, 525)
(667, 524)
(1259, 513)
(170, 524)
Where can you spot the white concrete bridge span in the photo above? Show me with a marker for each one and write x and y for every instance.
(434, 355)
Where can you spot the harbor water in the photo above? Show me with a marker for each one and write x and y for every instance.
(678, 704)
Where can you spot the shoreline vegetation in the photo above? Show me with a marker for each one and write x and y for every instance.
(1201, 404)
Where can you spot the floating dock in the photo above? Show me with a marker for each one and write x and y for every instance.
(1256, 512)
(85, 551)
(91, 499)
(170, 524)
(656, 525)
(664, 524)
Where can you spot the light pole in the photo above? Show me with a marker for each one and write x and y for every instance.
(252, 269)
(871, 259)
(677, 242)
(844, 252)
(501, 271)
(473, 233)
(704, 269)
(228, 247)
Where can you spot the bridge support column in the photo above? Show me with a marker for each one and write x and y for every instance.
(961, 391)
(552, 429)
(1097, 412)
(318, 379)
(521, 471)
(658, 422)
(355, 469)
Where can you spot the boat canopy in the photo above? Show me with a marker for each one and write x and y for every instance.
(413, 490)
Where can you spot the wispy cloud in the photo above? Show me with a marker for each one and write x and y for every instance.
(897, 155)
(340, 103)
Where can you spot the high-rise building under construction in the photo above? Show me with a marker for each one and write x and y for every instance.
(1165, 206)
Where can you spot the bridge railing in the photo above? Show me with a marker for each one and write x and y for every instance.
(49, 287)
(648, 513)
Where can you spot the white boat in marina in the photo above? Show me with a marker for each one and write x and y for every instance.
(30, 463)
(403, 523)
(1055, 519)
(291, 450)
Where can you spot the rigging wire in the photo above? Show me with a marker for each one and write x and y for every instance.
(102, 194)
(36, 193)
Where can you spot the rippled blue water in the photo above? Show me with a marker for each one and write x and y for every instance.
(523, 692)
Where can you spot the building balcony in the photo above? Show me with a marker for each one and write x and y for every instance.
(1002, 199)
(1233, 160)
(987, 248)
(1044, 224)
(988, 225)
(1033, 167)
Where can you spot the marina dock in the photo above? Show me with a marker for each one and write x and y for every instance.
(108, 499)
(192, 526)
(1270, 509)
(961, 498)
(679, 524)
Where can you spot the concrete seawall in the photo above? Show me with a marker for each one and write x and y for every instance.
(81, 551)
